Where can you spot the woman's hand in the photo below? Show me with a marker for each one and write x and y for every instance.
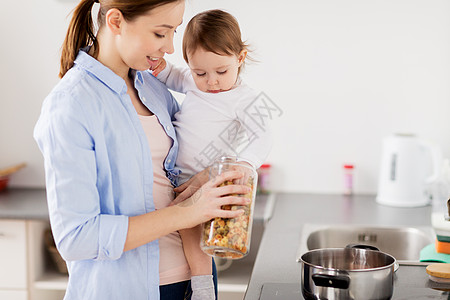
(188, 188)
(209, 199)
(205, 204)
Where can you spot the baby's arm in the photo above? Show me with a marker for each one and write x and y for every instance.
(175, 78)
(199, 262)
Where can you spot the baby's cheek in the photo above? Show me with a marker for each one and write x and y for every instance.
(198, 83)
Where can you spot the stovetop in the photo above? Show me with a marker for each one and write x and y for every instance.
(291, 291)
(410, 282)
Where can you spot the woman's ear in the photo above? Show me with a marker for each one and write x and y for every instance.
(114, 20)
(242, 56)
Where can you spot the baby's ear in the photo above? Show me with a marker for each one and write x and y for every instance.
(242, 56)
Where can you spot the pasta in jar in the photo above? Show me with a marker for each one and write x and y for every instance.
(230, 237)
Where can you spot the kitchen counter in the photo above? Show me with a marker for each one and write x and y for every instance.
(24, 204)
(31, 204)
(276, 259)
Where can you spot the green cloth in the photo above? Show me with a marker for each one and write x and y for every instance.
(429, 254)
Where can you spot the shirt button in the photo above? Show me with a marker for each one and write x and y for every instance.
(143, 99)
(168, 127)
(169, 160)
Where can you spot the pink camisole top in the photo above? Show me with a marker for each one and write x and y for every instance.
(173, 266)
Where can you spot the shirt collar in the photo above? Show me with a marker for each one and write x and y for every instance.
(138, 77)
(103, 73)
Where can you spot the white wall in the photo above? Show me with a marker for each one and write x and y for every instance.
(31, 36)
(345, 73)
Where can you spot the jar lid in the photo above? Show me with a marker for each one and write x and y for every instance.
(440, 270)
(226, 159)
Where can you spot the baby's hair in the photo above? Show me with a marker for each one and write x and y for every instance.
(215, 31)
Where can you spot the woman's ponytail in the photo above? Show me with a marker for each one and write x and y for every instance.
(79, 35)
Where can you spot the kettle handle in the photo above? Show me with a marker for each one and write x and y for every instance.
(436, 160)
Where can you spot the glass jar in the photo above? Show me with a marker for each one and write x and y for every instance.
(230, 237)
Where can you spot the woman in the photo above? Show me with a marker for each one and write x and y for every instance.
(98, 159)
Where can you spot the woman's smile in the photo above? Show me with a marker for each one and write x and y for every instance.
(153, 62)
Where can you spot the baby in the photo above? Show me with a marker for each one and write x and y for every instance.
(214, 119)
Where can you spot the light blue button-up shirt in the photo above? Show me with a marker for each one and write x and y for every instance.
(98, 173)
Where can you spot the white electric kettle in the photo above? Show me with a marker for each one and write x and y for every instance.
(408, 166)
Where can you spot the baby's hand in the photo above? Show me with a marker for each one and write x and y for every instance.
(191, 186)
(159, 67)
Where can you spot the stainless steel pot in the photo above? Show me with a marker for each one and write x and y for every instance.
(347, 273)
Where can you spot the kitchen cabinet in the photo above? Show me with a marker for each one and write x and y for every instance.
(45, 282)
(13, 295)
(13, 258)
(26, 272)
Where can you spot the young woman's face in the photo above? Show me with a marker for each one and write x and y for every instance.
(146, 39)
(214, 73)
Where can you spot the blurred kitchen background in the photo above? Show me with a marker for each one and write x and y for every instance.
(344, 73)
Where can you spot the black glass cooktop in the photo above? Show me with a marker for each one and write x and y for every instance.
(291, 291)
(410, 282)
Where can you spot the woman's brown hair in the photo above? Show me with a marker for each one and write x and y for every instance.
(81, 32)
(214, 30)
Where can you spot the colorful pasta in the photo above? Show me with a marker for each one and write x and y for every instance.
(230, 238)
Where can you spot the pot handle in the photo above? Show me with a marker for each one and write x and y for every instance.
(369, 247)
(335, 281)
(362, 246)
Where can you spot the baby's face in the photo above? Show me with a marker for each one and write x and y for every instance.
(214, 73)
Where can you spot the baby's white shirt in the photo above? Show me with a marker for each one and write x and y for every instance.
(211, 125)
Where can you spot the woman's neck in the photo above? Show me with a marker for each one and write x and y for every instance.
(109, 56)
